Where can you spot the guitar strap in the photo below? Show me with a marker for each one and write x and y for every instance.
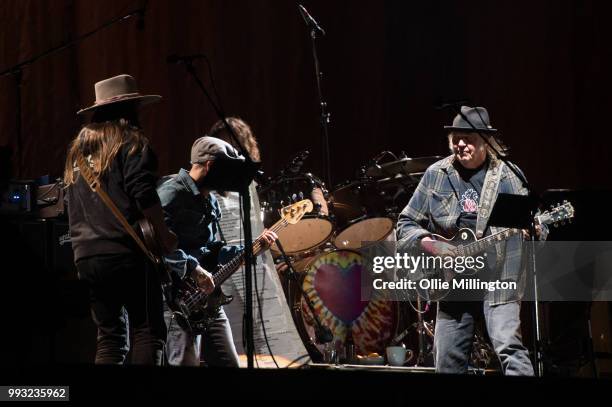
(488, 196)
(96, 186)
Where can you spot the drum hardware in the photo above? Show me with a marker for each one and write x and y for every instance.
(315, 229)
(405, 165)
(323, 334)
(296, 163)
(361, 214)
(422, 330)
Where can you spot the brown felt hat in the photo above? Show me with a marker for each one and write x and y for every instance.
(120, 88)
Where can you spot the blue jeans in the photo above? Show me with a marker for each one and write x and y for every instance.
(183, 348)
(455, 330)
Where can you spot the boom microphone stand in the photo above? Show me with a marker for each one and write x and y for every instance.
(322, 333)
(315, 30)
(241, 177)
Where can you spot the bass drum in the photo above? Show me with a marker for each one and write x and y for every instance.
(332, 282)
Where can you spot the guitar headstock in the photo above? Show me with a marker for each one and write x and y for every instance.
(293, 213)
(556, 215)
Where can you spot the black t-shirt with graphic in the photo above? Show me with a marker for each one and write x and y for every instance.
(470, 187)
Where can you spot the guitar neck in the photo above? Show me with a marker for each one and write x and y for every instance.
(233, 265)
(483, 244)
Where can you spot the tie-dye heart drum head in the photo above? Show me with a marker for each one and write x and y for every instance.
(332, 282)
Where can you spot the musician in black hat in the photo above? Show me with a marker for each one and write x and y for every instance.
(459, 192)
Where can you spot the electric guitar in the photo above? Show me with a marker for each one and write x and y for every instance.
(193, 309)
(467, 245)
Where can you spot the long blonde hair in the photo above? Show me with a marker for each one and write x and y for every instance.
(101, 142)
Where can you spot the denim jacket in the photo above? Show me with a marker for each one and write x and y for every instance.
(434, 208)
(195, 220)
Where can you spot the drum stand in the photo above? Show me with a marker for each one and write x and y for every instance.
(322, 333)
(421, 331)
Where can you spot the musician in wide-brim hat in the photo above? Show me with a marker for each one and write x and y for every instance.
(122, 285)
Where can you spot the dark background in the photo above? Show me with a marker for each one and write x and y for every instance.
(541, 68)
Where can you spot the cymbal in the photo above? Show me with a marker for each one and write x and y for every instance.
(402, 166)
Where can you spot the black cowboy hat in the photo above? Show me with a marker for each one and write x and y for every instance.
(478, 116)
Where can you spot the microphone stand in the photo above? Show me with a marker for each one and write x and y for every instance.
(322, 333)
(249, 259)
(17, 72)
(538, 357)
(324, 116)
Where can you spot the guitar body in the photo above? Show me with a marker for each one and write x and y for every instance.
(435, 292)
(147, 232)
(194, 310)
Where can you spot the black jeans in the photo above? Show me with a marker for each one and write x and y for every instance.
(118, 283)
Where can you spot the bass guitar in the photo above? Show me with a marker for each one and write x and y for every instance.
(193, 308)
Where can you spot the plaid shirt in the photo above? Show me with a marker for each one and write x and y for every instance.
(434, 208)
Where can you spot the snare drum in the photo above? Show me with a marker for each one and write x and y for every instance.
(333, 283)
(314, 229)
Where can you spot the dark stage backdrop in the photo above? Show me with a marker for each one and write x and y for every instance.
(541, 67)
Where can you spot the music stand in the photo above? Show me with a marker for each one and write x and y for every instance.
(513, 211)
(517, 212)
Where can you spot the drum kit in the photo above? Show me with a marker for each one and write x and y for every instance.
(324, 249)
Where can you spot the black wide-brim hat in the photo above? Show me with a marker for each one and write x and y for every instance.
(478, 116)
(119, 89)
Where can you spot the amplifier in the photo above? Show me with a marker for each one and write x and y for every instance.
(19, 197)
(50, 200)
(62, 257)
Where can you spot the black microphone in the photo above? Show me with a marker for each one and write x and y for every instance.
(310, 22)
(451, 103)
(181, 59)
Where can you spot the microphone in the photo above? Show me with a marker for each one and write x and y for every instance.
(181, 59)
(310, 22)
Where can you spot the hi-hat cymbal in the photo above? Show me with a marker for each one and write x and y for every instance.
(402, 166)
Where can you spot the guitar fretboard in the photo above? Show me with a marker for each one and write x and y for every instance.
(483, 244)
(230, 267)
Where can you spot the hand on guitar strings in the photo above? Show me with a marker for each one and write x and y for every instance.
(437, 247)
(527, 235)
(204, 280)
(268, 238)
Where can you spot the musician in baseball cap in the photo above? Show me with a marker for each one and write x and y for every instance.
(193, 213)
